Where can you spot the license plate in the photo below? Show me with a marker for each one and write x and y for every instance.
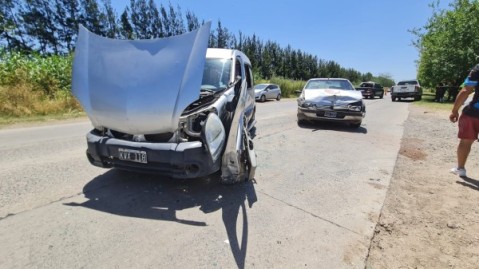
(330, 114)
(132, 155)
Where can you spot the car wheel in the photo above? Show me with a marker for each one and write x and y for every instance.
(381, 96)
(278, 97)
(393, 99)
(417, 98)
(355, 125)
(262, 98)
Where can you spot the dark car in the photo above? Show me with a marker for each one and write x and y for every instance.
(371, 89)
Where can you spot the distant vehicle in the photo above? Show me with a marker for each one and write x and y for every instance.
(406, 89)
(331, 99)
(262, 92)
(370, 89)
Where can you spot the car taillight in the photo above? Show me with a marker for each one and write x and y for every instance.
(416, 88)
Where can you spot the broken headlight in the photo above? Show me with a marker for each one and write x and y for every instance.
(356, 106)
(214, 135)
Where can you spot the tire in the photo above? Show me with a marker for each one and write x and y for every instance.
(278, 97)
(262, 99)
(393, 99)
(417, 98)
(381, 96)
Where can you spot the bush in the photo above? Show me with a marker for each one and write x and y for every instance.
(288, 86)
(35, 85)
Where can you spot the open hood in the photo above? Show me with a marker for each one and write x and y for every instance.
(138, 86)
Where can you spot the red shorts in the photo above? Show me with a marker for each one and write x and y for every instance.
(468, 127)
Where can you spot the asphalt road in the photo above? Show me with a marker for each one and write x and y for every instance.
(317, 197)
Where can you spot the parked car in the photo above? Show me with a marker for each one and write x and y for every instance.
(371, 89)
(331, 99)
(262, 92)
(181, 110)
(406, 89)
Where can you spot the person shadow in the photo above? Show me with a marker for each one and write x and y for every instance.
(469, 182)
(158, 198)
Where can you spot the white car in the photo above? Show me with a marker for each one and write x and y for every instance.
(262, 92)
(331, 99)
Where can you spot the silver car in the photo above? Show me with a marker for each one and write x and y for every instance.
(331, 99)
(161, 106)
(262, 92)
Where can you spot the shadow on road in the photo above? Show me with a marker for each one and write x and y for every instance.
(158, 198)
(332, 126)
(469, 182)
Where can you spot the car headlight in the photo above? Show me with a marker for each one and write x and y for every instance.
(214, 135)
(356, 106)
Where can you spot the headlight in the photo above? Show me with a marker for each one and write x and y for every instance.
(214, 135)
(356, 106)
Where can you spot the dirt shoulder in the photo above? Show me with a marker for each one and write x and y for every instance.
(430, 218)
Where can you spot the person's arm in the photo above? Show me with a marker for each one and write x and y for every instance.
(460, 99)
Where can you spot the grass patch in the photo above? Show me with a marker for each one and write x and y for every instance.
(428, 102)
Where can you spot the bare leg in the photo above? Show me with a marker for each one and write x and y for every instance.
(463, 150)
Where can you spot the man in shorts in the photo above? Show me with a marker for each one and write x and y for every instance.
(468, 121)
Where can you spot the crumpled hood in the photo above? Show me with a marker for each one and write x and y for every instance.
(332, 95)
(138, 86)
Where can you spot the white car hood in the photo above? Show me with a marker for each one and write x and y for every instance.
(336, 95)
(138, 86)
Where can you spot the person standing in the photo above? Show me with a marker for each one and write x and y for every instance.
(468, 121)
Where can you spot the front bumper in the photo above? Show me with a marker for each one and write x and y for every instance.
(406, 94)
(177, 160)
(341, 115)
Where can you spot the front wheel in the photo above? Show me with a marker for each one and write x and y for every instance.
(278, 97)
(393, 99)
(262, 99)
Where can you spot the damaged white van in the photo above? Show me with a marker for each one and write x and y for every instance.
(169, 106)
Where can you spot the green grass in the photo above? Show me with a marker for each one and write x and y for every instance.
(427, 101)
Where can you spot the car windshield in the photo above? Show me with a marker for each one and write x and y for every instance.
(217, 74)
(260, 86)
(329, 84)
(409, 82)
(366, 85)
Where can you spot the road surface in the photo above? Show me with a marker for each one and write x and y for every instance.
(316, 198)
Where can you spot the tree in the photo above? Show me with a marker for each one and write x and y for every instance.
(448, 43)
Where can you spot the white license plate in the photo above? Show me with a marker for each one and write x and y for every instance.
(330, 114)
(132, 155)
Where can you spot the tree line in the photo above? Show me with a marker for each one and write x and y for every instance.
(51, 27)
(448, 44)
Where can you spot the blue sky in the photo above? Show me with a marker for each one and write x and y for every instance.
(368, 35)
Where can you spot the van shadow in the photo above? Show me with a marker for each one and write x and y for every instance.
(158, 198)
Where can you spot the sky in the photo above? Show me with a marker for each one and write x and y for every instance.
(368, 35)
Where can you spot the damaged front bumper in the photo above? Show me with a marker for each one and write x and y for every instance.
(177, 160)
(330, 115)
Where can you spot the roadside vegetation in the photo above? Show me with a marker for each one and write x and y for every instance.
(37, 41)
(33, 86)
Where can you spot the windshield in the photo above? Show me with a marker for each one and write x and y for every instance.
(366, 85)
(330, 84)
(217, 74)
(260, 86)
